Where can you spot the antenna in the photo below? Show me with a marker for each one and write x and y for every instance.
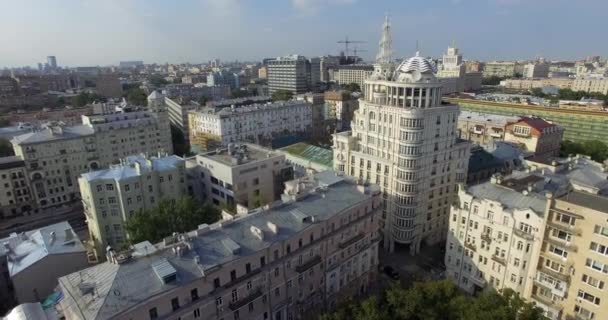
(417, 48)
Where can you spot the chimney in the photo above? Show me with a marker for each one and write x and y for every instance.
(53, 237)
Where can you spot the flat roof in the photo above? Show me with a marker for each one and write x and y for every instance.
(587, 200)
(312, 153)
(127, 169)
(245, 152)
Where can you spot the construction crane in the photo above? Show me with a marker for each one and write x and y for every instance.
(347, 42)
(355, 50)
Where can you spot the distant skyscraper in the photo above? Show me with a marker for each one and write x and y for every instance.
(52, 61)
(404, 139)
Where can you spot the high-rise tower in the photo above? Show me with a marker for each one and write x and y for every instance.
(404, 139)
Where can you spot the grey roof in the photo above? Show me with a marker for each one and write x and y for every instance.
(128, 169)
(121, 286)
(23, 250)
(486, 117)
(509, 198)
(588, 200)
(53, 134)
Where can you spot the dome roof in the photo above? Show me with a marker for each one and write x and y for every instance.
(417, 63)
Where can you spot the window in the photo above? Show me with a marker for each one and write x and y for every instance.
(218, 302)
(194, 294)
(558, 251)
(277, 292)
(153, 313)
(586, 314)
(262, 261)
(601, 230)
(247, 267)
(197, 313)
(216, 283)
(596, 265)
(109, 187)
(236, 315)
(564, 218)
(563, 235)
(235, 295)
(232, 275)
(599, 248)
(175, 303)
(589, 297)
(593, 281)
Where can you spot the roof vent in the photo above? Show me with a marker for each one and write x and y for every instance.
(273, 227)
(257, 232)
(231, 246)
(164, 271)
(69, 235)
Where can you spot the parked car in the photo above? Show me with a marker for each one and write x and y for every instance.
(391, 272)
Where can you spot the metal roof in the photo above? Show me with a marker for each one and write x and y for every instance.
(311, 153)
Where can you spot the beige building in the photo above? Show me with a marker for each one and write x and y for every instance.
(55, 156)
(33, 260)
(348, 74)
(338, 110)
(591, 84)
(241, 174)
(537, 69)
(529, 84)
(503, 69)
(541, 232)
(178, 116)
(111, 196)
(15, 191)
(536, 135)
(292, 260)
(481, 128)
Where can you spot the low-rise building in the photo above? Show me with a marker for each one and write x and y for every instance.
(16, 197)
(591, 84)
(339, 109)
(111, 196)
(272, 124)
(529, 84)
(304, 157)
(481, 128)
(293, 259)
(246, 174)
(503, 69)
(33, 260)
(536, 135)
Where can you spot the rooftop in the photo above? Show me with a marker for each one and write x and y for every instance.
(588, 200)
(537, 123)
(53, 133)
(105, 290)
(250, 108)
(239, 154)
(134, 166)
(312, 153)
(25, 249)
(486, 117)
(509, 197)
(11, 162)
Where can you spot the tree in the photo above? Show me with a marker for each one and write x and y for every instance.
(203, 100)
(353, 87)
(158, 81)
(84, 98)
(6, 148)
(137, 96)
(597, 150)
(238, 93)
(282, 95)
(491, 81)
(169, 216)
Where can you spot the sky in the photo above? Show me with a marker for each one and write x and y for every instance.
(104, 32)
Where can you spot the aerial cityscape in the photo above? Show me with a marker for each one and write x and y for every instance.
(305, 159)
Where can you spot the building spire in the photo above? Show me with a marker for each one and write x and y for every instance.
(385, 54)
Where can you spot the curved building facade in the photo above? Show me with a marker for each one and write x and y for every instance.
(405, 140)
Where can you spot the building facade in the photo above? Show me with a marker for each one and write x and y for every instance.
(348, 74)
(591, 84)
(538, 69)
(55, 156)
(292, 260)
(223, 78)
(502, 69)
(483, 129)
(291, 73)
(111, 196)
(536, 135)
(404, 139)
(263, 124)
(16, 196)
(178, 116)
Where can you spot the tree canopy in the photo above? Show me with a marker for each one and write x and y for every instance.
(282, 95)
(352, 87)
(136, 96)
(181, 215)
(85, 98)
(491, 81)
(437, 300)
(158, 81)
(569, 94)
(597, 150)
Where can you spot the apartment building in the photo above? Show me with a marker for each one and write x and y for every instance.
(404, 139)
(56, 155)
(540, 232)
(538, 69)
(111, 196)
(15, 191)
(355, 73)
(178, 115)
(241, 174)
(529, 84)
(482, 128)
(33, 260)
(263, 124)
(293, 73)
(536, 135)
(591, 84)
(292, 260)
(338, 110)
(503, 69)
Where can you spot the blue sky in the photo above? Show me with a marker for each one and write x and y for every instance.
(102, 32)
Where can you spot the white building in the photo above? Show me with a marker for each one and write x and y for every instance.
(538, 69)
(111, 196)
(246, 174)
(55, 156)
(263, 124)
(293, 73)
(453, 76)
(405, 140)
(33, 260)
(178, 116)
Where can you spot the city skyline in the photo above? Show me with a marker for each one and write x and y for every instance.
(197, 31)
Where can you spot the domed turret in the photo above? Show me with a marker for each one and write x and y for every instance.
(416, 69)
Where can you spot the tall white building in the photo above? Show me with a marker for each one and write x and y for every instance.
(405, 140)
(111, 196)
(55, 156)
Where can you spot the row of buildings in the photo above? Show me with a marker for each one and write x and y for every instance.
(586, 84)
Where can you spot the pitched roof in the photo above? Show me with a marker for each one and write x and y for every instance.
(537, 123)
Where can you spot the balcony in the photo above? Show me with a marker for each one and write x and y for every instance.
(308, 264)
(347, 243)
(557, 288)
(486, 237)
(561, 243)
(499, 260)
(243, 277)
(565, 227)
(254, 294)
(480, 281)
(471, 246)
(547, 302)
(555, 274)
(523, 234)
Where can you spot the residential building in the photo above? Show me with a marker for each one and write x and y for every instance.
(540, 232)
(453, 74)
(241, 174)
(537, 69)
(263, 72)
(294, 259)
(291, 73)
(327, 63)
(536, 135)
(354, 73)
(404, 139)
(271, 124)
(339, 109)
(238, 102)
(529, 84)
(503, 69)
(111, 196)
(223, 78)
(196, 92)
(33, 260)
(56, 155)
(579, 125)
(108, 85)
(178, 116)
(16, 197)
(481, 128)
(591, 84)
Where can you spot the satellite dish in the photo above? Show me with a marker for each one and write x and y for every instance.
(416, 75)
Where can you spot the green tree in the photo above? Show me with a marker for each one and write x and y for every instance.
(137, 96)
(6, 148)
(597, 150)
(238, 93)
(282, 95)
(158, 81)
(352, 87)
(491, 81)
(169, 216)
(4, 122)
(203, 100)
